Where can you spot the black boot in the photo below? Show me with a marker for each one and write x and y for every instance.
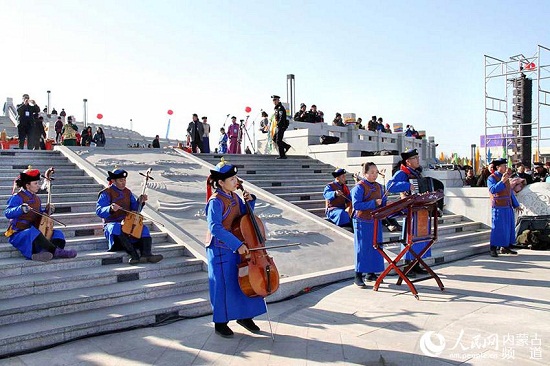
(493, 251)
(223, 330)
(359, 280)
(249, 325)
(146, 254)
(129, 248)
(419, 270)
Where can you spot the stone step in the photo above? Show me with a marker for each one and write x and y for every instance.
(62, 188)
(67, 207)
(283, 181)
(74, 179)
(59, 172)
(234, 158)
(256, 170)
(40, 165)
(455, 239)
(80, 244)
(442, 255)
(296, 189)
(30, 335)
(87, 259)
(30, 153)
(60, 197)
(302, 196)
(49, 282)
(309, 204)
(31, 307)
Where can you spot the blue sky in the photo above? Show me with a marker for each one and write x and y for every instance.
(418, 63)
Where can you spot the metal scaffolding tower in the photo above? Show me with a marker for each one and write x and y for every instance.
(502, 80)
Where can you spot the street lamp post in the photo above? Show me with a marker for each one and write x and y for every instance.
(85, 112)
(131, 125)
(48, 106)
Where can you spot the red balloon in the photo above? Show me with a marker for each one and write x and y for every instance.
(99, 116)
(170, 112)
(248, 109)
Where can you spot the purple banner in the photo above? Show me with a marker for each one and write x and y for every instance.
(497, 140)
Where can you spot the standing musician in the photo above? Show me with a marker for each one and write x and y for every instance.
(282, 124)
(338, 199)
(409, 168)
(224, 251)
(112, 204)
(234, 134)
(503, 203)
(366, 196)
(23, 230)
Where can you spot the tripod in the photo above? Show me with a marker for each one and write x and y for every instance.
(245, 131)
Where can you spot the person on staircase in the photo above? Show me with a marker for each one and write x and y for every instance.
(23, 230)
(409, 168)
(234, 134)
(338, 200)
(503, 203)
(224, 250)
(26, 112)
(282, 125)
(112, 204)
(69, 132)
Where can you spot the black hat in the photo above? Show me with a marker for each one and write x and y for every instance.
(27, 176)
(409, 154)
(275, 97)
(537, 164)
(117, 174)
(302, 105)
(498, 162)
(338, 172)
(223, 170)
(233, 117)
(204, 118)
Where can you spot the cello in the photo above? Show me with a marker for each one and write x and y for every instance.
(133, 221)
(258, 275)
(46, 222)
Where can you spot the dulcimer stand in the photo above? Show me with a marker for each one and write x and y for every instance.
(420, 226)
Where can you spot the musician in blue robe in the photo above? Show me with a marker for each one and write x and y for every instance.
(503, 203)
(409, 168)
(366, 196)
(337, 199)
(23, 230)
(113, 204)
(224, 252)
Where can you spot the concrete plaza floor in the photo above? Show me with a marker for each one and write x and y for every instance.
(494, 311)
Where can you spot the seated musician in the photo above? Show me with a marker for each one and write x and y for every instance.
(338, 199)
(409, 168)
(111, 205)
(366, 196)
(23, 230)
(224, 250)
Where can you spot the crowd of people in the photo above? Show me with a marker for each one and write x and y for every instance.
(520, 175)
(31, 128)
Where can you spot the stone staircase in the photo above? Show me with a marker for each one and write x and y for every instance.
(301, 180)
(48, 303)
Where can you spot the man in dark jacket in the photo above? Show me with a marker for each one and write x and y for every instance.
(26, 112)
(195, 130)
(282, 125)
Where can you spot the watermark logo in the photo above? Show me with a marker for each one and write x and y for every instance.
(431, 348)
(473, 346)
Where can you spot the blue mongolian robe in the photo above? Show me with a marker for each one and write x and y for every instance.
(503, 202)
(25, 225)
(111, 221)
(227, 299)
(399, 183)
(336, 205)
(363, 196)
(222, 148)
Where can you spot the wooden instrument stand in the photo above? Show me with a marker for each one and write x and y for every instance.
(421, 226)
